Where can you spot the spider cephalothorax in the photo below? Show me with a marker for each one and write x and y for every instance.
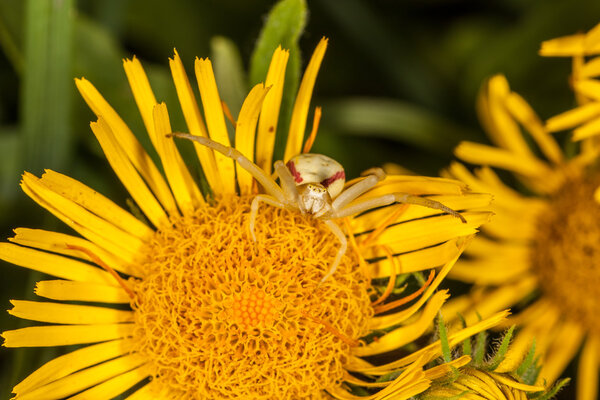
(314, 184)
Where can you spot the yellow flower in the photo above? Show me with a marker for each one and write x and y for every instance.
(541, 253)
(187, 305)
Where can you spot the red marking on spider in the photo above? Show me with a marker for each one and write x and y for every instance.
(292, 167)
(331, 179)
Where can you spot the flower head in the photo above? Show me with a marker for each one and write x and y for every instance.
(188, 302)
(539, 254)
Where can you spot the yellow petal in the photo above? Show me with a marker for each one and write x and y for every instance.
(84, 379)
(56, 243)
(96, 203)
(445, 369)
(55, 265)
(182, 184)
(523, 112)
(74, 361)
(568, 339)
(59, 313)
(81, 291)
(564, 46)
(592, 128)
(591, 69)
(98, 230)
(504, 131)
(589, 88)
(152, 391)
(143, 95)
(572, 118)
(194, 122)
(490, 271)
(419, 260)
(114, 386)
(128, 175)
(213, 112)
(302, 103)
(245, 133)
(127, 145)
(481, 154)
(62, 335)
(413, 330)
(587, 371)
(269, 114)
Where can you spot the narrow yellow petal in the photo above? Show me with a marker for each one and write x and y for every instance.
(587, 371)
(195, 124)
(152, 391)
(302, 103)
(417, 185)
(81, 291)
(587, 130)
(182, 184)
(57, 243)
(589, 88)
(505, 131)
(129, 176)
(592, 40)
(564, 46)
(143, 95)
(59, 313)
(419, 260)
(443, 370)
(82, 380)
(245, 133)
(413, 330)
(98, 230)
(126, 143)
(523, 112)
(564, 348)
(476, 153)
(213, 112)
(114, 386)
(572, 118)
(269, 115)
(591, 69)
(55, 265)
(74, 361)
(96, 203)
(62, 335)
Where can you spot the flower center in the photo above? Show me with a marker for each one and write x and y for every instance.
(220, 316)
(566, 256)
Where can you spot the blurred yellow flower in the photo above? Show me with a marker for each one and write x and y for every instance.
(189, 306)
(541, 252)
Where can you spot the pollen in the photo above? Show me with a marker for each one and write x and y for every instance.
(224, 317)
(566, 254)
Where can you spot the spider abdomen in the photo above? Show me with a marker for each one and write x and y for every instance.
(317, 168)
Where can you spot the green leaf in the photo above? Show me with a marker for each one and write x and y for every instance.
(11, 13)
(443, 333)
(10, 171)
(283, 26)
(528, 361)
(47, 84)
(229, 73)
(395, 120)
(555, 389)
(502, 349)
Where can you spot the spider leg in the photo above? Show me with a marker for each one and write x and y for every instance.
(387, 199)
(288, 184)
(374, 175)
(261, 176)
(341, 251)
(254, 210)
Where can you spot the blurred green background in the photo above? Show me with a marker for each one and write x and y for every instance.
(398, 84)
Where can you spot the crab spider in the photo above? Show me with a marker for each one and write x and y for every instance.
(313, 184)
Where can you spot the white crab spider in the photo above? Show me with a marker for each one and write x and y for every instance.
(313, 184)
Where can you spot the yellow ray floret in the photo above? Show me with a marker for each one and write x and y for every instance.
(269, 114)
(215, 120)
(587, 371)
(74, 361)
(114, 386)
(182, 184)
(62, 335)
(128, 175)
(245, 133)
(195, 124)
(58, 313)
(81, 291)
(581, 44)
(300, 111)
(132, 149)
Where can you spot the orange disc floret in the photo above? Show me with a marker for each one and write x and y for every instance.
(222, 316)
